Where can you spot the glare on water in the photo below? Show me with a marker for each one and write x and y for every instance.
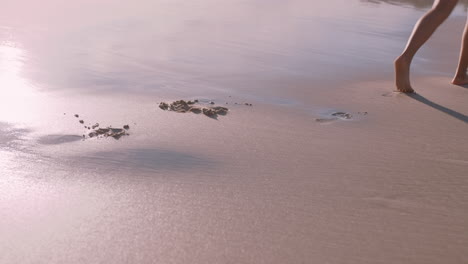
(17, 98)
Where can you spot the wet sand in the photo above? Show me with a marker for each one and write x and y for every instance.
(265, 184)
(281, 181)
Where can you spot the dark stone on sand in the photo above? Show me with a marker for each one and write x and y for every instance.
(220, 110)
(180, 106)
(116, 133)
(209, 112)
(164, 106)
(81, 121)
(215, 111)
(76, 115)
(126, 127)
(196, 110)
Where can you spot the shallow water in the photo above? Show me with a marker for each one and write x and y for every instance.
(160, 46)
(253, 49)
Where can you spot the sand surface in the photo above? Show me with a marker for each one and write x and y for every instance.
(286, 180)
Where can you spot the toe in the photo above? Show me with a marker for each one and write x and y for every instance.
(406, 90)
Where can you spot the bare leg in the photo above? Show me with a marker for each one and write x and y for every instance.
(460, 77)
(421, 33)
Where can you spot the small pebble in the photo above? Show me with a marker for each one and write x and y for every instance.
(212, 103)
(76, 115)
(127, 127)
(81, 121)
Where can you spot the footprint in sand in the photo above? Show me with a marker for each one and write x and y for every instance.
(389, 203)
(392, 94)
(335, 116)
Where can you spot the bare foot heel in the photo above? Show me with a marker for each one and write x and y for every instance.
(460, 80)
(402, 71)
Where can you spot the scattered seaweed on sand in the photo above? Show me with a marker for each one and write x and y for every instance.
(182, 106)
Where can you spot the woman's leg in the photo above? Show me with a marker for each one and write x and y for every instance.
(461, 77)
(421, 33)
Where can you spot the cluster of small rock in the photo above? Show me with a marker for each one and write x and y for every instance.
(109, 132)
(97, 132)
(182, 106)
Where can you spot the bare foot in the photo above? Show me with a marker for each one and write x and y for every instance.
(402, 72)
(460, 80)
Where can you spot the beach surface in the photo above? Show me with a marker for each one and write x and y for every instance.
(327, 165)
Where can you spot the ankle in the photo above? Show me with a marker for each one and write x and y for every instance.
(403, 58)
(460, 76)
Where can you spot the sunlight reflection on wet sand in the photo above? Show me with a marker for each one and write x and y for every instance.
(17, 98)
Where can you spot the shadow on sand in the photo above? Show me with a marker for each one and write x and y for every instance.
(144, 159)
(443, 109)
(12, 137)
